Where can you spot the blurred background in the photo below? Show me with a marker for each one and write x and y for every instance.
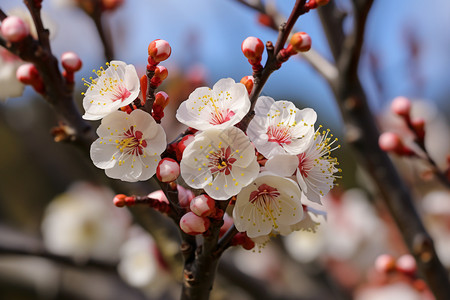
(43, 183)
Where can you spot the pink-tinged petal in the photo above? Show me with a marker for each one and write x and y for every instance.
(283, 165)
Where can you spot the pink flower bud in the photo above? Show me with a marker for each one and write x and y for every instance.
(301, 42)
(401, 106)
(161, 99)
(159, 50)
(71, 62)
(253, 49)
(389, 141)
(27, 74)
(161, 72)
(385, 263)
(192, 224)
(248, 81)
(168, 170)
(185, 141)
(14, 29)
(203, 206)
(184, 196)
(407, 264)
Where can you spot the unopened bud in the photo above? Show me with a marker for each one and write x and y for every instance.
(168, 170)
(265, 20)
(27, 74)
(159, 50)
(161, 73)
(253, 48)
(300, 41)
(119, 200)
(161, 99)
(401, 106)
(385, 263)
(192, 224)
(406, 264)
(248, 81)
(184, 196)
(391, 142)
(185, 141)
(71, 62)
(14, 29)
(203, 206)
(322, 2)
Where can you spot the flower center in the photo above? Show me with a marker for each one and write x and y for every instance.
(219, 116)
(221, 161)
(264, 198)
(132, 143)
(302, 161)
(119, 92)
(280, 134)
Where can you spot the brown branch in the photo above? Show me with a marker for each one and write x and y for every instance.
(199, 274)
(224, 242)
(2, 15)
(273, 63)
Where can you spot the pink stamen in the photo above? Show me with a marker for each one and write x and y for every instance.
(279, 134)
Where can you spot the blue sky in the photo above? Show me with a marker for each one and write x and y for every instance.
(220, 26)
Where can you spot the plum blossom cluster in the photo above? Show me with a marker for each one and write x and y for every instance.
(270, 170)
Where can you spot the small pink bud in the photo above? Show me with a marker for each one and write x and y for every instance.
(389, 141)
(401, 106)
(161, 99)
(168, 170)
(184, 196)
(14, 29)
(161, 73)
(185, 141)
(71, 62)
(203, 206)
(192, 224)
(385, 263)
(248, 81)
(406, 264)
(253, 49)
(159, 50)
(300, 41)
(27, 74)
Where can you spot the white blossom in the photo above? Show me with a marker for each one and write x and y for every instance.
(266, 204)
(129, 145)
(83, 223)
(314, 168)
(220, 107)
(114, 87)
(221, 162)
(280, 127)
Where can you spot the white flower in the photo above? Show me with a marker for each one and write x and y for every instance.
(267, 203)
(129, 145)
(221, 162)
(115, 87)
(139, 264)
(83, 223)
(280, 127)
(314, 168)
(220, 107)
